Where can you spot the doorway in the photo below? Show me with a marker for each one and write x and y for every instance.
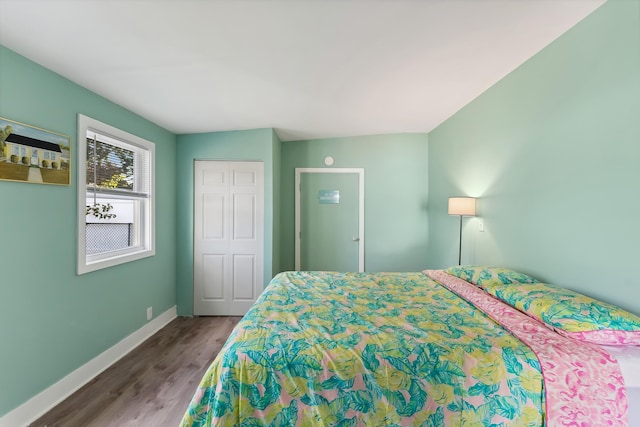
(329, 219)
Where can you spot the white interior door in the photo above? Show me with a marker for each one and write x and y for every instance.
(228, 236)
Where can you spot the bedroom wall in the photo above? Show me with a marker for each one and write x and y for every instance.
(52, 321)
(552, 150)
(257, 145)
(277, 179)
(395, 195)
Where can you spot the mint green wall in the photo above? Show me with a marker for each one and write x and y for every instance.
(277, 173)
(51, 320)
(257, 145)
(395, 195)
(553, 152)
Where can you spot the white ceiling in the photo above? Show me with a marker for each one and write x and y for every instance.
(308, 68)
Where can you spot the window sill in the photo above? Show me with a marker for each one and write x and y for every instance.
(111, 261)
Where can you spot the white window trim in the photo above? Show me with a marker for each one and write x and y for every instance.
(147, 248)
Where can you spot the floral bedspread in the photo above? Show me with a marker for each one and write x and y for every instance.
(583, 382)
(374, 349)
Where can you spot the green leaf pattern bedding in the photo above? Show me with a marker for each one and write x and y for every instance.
(375, 349)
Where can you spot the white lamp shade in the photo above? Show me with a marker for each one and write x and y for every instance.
(465, 206)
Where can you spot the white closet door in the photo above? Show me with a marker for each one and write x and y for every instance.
(228, 236)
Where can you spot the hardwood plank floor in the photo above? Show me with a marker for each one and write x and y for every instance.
(152, 385)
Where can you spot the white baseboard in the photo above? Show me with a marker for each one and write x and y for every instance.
(44, 401)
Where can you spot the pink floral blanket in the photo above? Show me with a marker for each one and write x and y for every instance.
(583, 383)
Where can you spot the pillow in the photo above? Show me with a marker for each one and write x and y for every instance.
(571, 314)
(484, 276)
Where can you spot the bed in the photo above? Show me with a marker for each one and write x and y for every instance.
(427, 348)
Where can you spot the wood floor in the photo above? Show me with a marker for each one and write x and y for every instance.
(153, 384)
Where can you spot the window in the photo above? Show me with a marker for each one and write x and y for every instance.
(115, 196)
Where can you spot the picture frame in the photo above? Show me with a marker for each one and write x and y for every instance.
(34, 155)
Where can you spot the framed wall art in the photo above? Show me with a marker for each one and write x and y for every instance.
(31, 154)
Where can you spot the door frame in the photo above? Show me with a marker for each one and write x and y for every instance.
(360, 172)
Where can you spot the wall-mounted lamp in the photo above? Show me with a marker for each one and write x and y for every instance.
(463, 206)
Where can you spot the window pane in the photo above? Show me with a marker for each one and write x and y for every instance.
(112, 227)
(105, 237)
(109, 166)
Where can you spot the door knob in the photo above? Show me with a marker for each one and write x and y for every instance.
(356, 239)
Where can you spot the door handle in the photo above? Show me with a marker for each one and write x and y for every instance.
(356, 239)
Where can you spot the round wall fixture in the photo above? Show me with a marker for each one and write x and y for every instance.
(328, 161)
